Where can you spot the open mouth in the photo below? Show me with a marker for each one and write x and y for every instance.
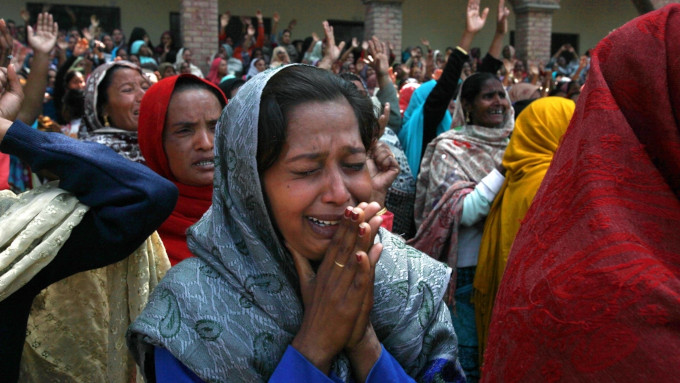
(205, 163)
(322, 223)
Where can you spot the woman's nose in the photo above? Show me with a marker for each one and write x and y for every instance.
(203, 140)
(336, 191)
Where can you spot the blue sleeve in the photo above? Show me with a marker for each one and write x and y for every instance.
(387, 369)
(127, 201)
(294, 367)
(169, 369)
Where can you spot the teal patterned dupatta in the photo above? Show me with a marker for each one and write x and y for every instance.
(230, 312)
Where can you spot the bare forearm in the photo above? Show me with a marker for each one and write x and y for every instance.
(34, 91)
(466, 40)
(326, 63)
(364, 357)
(496, 46)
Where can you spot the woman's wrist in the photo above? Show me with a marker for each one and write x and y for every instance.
(364, 355)
(379, 197)
(313, 353)
(4, 127)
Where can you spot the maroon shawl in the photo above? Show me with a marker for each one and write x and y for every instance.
(591, 292)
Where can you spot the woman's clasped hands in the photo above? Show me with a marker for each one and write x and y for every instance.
(338, 297)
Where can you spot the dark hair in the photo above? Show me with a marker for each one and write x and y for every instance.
(138, 33)
(73, 104)
(473, 85)
(306, 43)
(227, 86)
(188, 82)
(297, 85)
(349, 76)
(69, 76)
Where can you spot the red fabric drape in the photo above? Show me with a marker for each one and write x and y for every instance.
(4, 171)
(193, 201)
(592, 288)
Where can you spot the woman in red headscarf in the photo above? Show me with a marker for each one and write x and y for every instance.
(591, 292)
(177, 120)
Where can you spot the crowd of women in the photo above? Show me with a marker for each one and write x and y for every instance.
(455, 217)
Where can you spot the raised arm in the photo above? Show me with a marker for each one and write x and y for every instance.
(353, 46)
(378, 58)
(43, 39)
(501, 29)
(474, 22)
(445, 90)
(332, 52)
(127, 201)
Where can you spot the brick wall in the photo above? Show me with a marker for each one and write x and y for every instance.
(384, 20)
(200, 30)
(533, 28)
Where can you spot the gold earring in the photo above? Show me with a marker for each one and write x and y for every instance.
(106, 121)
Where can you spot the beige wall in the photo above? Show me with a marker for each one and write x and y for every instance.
(440, 21)
(593, 20)
(443, 22)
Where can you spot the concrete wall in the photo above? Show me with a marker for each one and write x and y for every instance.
(440, 21)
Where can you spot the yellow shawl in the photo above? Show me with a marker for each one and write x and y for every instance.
(537, 134)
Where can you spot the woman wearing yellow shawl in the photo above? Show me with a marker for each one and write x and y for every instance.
(538, 131)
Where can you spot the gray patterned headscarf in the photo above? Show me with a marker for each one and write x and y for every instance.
(229, 313)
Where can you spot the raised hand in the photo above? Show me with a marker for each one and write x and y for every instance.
(81, 47)
(382, 166)
(6, 45)
(276, 18)
(12, 94)
(475, 20)
(380, 54)
(224, 19)
(44, 38)
(25, 15)
(502, 21)
(332, 51)
(94, 21)
(425, 42)
(355, 43)
(87, 34)
(258, 15)
(251, 30)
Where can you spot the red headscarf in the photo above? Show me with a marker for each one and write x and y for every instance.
(213, 75)
(193, 200)
(592, 288)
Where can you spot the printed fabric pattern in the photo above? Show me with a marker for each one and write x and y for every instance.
(230, 312)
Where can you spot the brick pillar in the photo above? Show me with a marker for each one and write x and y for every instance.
(533, 28)
(384, 20)
(199, 30)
